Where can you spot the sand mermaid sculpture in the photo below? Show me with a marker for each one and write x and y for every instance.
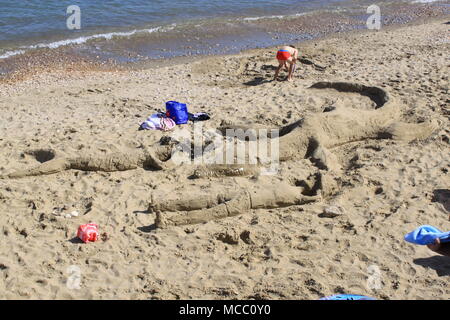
(311, 137)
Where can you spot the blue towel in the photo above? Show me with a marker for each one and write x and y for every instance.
(346, 297)
(427, 235)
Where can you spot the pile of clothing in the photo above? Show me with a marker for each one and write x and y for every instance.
(176, 114)
(158, 121)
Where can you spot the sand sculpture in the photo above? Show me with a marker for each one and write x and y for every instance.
(189, 208)
(227, 205)
(311, 137)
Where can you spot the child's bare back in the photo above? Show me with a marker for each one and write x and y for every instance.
(286, 55)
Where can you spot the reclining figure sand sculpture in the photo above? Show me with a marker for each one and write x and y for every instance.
(309, 137)
(219, 206)
(192, 208)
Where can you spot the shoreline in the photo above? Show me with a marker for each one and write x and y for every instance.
(330, 24)
(85, 68)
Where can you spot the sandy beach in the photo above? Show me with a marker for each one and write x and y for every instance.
(385, 188)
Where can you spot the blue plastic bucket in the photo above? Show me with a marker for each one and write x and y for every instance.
(177, 112)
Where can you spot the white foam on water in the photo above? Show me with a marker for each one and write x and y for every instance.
(84, 39)
(81, 40)
(300, 14)
(263, 17)
(425, 1)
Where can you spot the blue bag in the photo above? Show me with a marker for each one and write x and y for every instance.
(177, 112)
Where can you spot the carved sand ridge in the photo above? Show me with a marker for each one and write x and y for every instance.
(225, 170)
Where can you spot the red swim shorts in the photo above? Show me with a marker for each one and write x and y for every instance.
(283, 55)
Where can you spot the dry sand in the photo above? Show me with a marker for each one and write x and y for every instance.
(389, 187)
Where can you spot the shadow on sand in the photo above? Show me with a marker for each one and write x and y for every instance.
(148, 229)
(440, 264)
(76, 240)
(257, 81)
(443, 197)
(269, 67)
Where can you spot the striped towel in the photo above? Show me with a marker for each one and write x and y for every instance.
(158, 121)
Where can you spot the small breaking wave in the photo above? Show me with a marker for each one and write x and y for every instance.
(249, 19)
(425, 1)
(9, 54)
(84, 39)
(263, 17)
